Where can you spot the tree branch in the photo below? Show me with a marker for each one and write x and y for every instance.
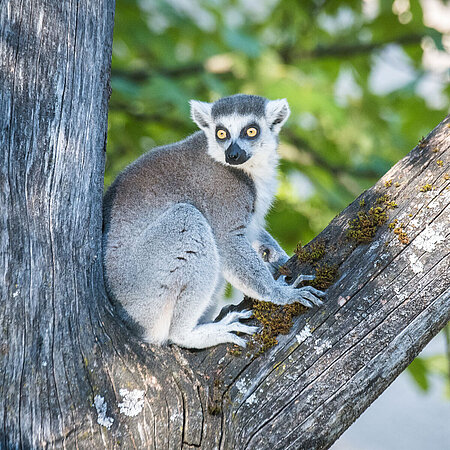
(291, 54)
(169, 72)
(389, 300)
(318, 160)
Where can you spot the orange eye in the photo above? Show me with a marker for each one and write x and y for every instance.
(221, 134)
(252, 132)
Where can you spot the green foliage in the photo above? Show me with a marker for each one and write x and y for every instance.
(418, 370)
(423, 368)
(340, 140)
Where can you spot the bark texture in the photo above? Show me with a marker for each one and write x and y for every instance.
(71, 375)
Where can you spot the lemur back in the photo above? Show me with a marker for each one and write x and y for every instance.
(179, 173)
(181, 220)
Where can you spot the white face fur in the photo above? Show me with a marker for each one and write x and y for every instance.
(251, 138)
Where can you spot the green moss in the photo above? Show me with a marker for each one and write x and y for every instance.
(422, 142)
(401, 234)
(382, 199)
(393, 224)
(362, 203)
(399, 231)
(235, 350)
(426, 187)
(388, 183)
(275, 320)
(326, 275)
(386, 201)
(391, 205)
(363, 228)
(311, 253)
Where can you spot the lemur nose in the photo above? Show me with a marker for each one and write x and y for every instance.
(235, 155)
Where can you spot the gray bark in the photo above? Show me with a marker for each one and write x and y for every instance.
(69, 369)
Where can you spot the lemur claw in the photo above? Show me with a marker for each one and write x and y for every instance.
(305, 303)
(302, 278)
(235, 316)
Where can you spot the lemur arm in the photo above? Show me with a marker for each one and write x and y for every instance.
(246, 271)
(269, 250)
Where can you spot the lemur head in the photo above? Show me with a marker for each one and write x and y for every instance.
(242, 130)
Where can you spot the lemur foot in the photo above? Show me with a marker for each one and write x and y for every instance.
(237, 315)
(231, 324)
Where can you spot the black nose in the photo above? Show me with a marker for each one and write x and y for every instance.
(235, 155)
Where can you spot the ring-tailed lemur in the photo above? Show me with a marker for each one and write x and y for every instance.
(185, 217)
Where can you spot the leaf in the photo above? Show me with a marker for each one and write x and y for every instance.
(239, 40)
(418, 369)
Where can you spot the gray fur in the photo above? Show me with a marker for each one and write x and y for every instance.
(178, 221)
(240, 104)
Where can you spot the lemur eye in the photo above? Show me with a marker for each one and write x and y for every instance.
(221, 134)
(252, 132)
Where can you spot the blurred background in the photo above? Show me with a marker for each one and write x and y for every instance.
(365, 81)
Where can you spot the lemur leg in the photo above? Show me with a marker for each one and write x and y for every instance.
(172, 257)
(200, 289)
(217, 302)
(189, 327)
(208, 334)
(173, 270)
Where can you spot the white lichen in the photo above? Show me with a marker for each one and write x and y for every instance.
(304, 334)
(428, 239)
(176, 416)
(416, 265)
(252, 400)
(343, 300)
(132, 402)
(153, 382)
(319, 349)
(241, 386)
(101, 407)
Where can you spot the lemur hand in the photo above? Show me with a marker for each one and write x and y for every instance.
(307, 295)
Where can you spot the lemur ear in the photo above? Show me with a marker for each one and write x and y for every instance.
(277, 112)
(201, 113)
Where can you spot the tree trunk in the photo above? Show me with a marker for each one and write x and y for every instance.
(70, 373)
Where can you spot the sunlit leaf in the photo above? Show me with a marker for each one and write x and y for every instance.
(419, 371)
